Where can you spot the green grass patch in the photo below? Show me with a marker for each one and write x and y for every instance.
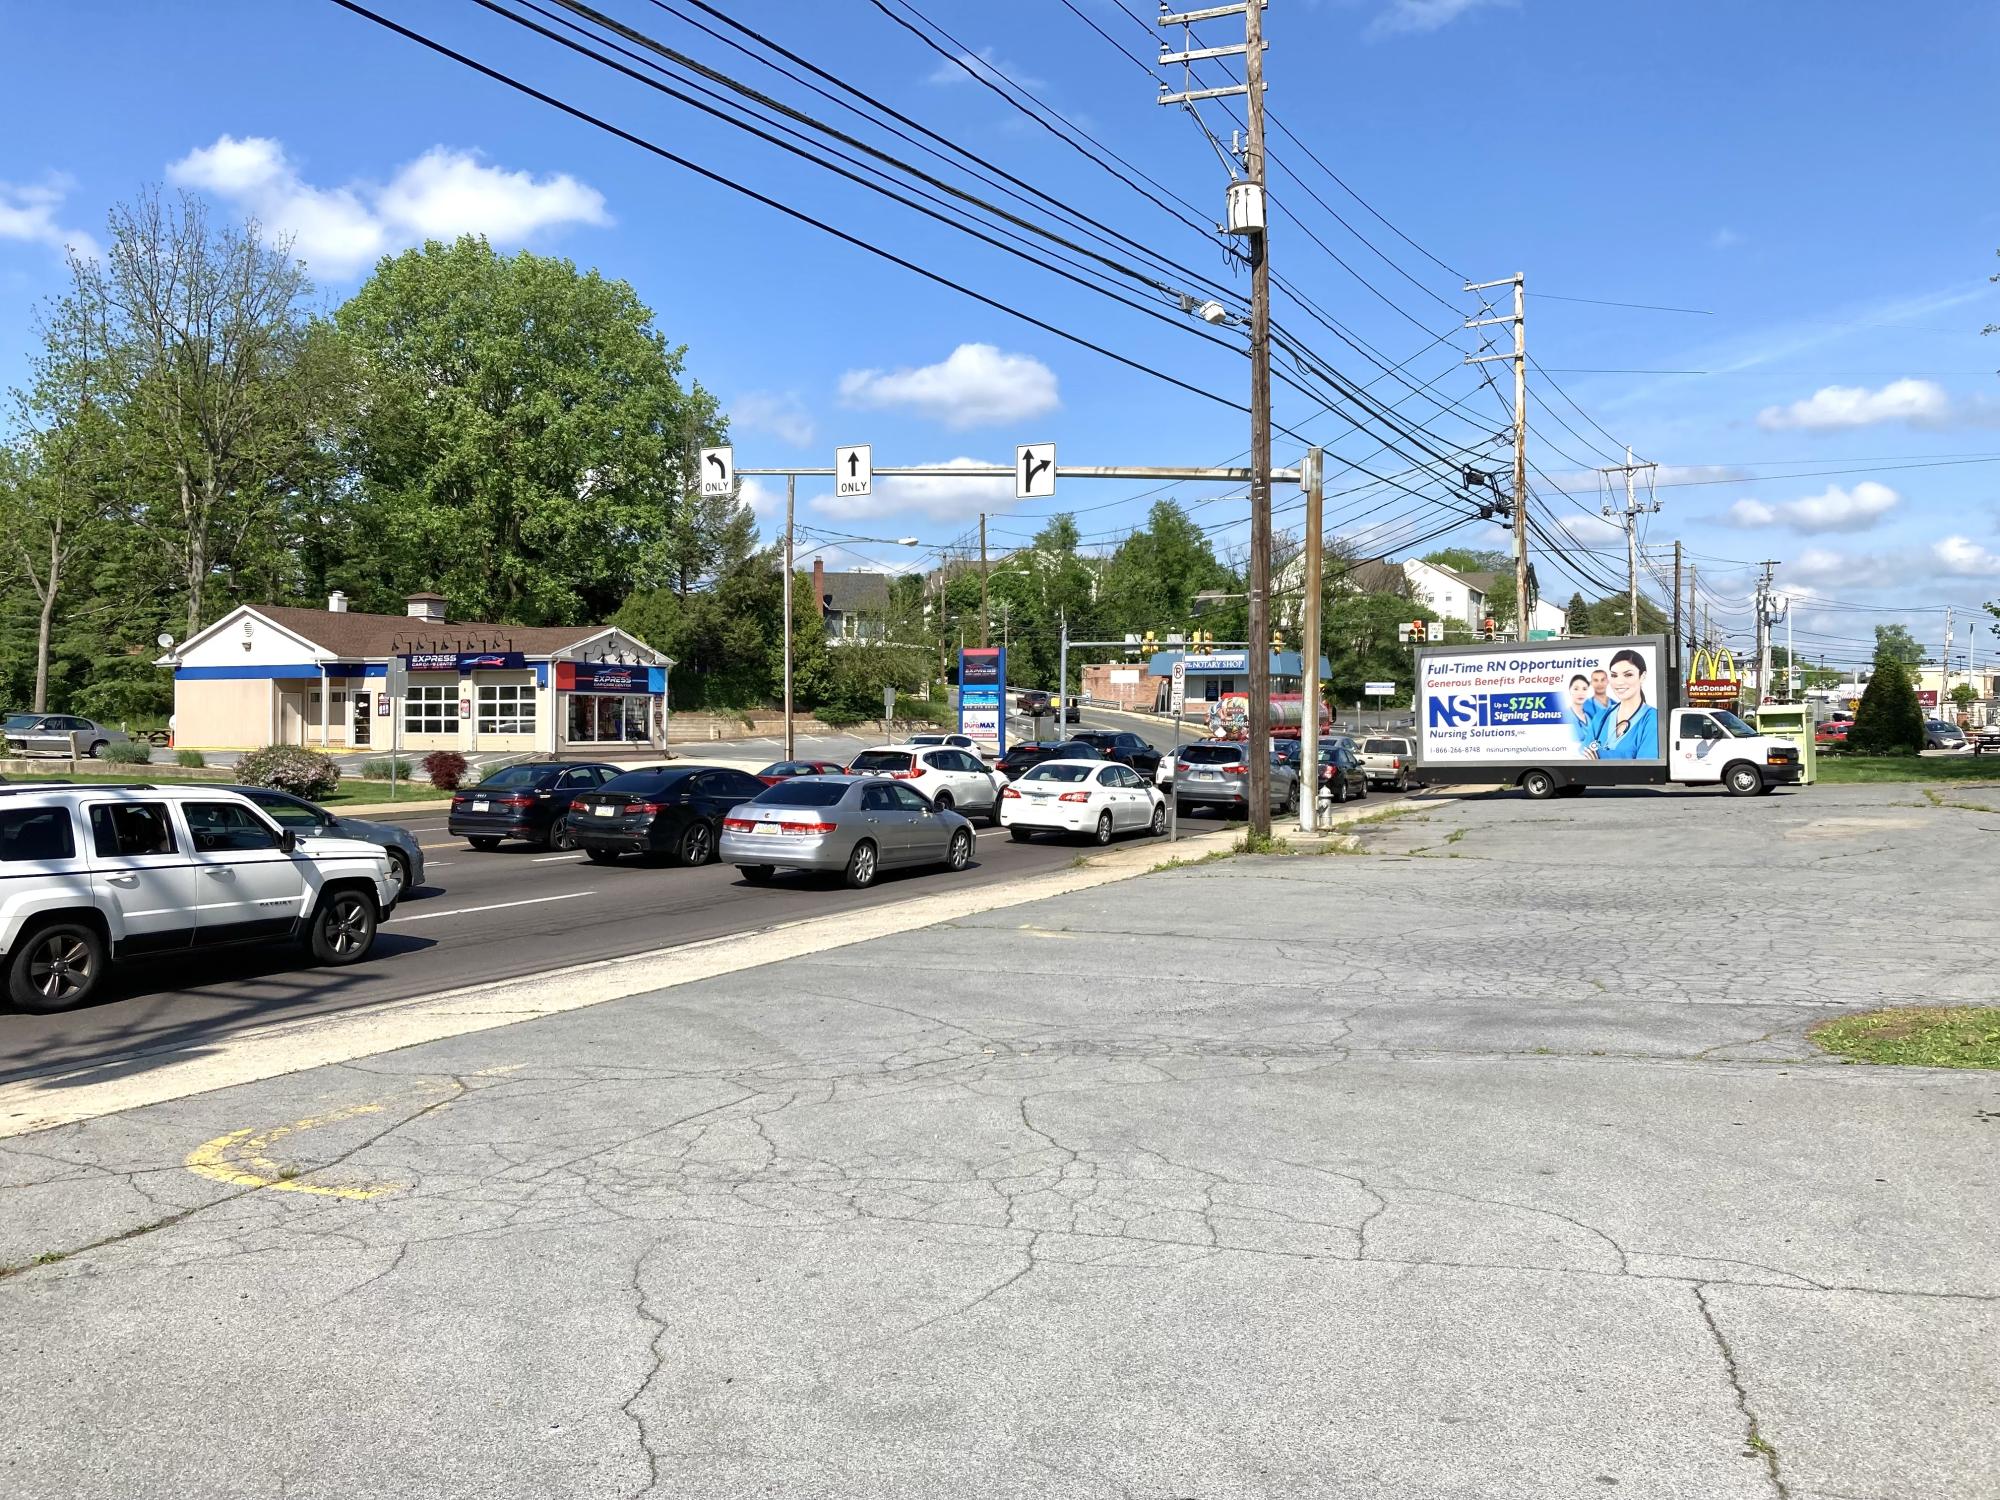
(1916, 1036)
(1837, 770)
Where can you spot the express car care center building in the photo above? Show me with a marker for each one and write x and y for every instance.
(277, 674)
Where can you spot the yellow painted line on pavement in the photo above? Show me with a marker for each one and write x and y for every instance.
(238, 1158)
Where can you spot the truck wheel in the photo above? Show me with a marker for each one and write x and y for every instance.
(56, 968)
(1743, 780)
(1539, 785)
(343, 929)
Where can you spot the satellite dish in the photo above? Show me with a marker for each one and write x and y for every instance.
(165, 639)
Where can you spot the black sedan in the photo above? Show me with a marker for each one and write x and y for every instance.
(1122, 746)
(672, 810)
(1342, 775)
(524, 801)
(1025, 755)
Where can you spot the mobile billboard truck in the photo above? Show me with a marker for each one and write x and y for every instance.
(1558, 717)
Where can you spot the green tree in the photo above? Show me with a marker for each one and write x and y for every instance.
(1469, 560)
(1151, 580)
(1612, 615)
(1500, 601)
(1361, 639)
(1964, 695)
(527, 447)
(1896, 641)
(1581, 621)
(1889, 721)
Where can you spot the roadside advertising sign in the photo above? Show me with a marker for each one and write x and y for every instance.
(1927, 697)
(600, 677)
(463, 661)
(982, 692)
(381, 705)
(1573, 701)
(1713, 692)
(1378, 689)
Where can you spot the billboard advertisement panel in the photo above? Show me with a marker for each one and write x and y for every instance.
(1569, 702)
(982, 690)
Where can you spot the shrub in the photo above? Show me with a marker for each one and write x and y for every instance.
(290, 768)
(1890, 721)
(190, 758)
(378, 769)
(128, 753)
(445, 768)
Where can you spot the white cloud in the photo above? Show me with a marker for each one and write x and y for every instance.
(976, 385)
(1921, 403)
(780, 413)
(1406, 16)
(339, 230)
(988, 65)
(1590, 528)
(28, 212)
(1724, 238)
(1834, 510)
(766, 500)
(943, 497)
(1962, 557)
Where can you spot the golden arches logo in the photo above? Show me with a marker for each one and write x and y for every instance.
(1713, 664)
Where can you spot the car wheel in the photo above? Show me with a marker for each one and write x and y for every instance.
(343, 929)
(57, 968)
(484, 842)
(942, 802)
(1402, 784)
(757, 874)
(1020, 835)
(1743, 781)
(559, 835)
(400, 863)
(1539, 785)
(97, 748)
(1159, 824)
(602, 856)
(1102, 833)
(861, 866)
(697, 845)
(958, 854)
(1292, 798)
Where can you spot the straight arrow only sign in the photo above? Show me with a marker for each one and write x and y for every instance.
(854, 470)
(1034, 471)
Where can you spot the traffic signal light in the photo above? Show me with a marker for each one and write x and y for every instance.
(1277, 640)
(1417, 631)
(1489, 627)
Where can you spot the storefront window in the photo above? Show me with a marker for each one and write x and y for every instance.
(604, 718)
(431, 710)
(506, 708)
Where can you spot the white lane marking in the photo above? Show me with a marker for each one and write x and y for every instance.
(549, 859)
(466, 911)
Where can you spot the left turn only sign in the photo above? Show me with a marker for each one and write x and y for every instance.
(718, 471)
(854, 470)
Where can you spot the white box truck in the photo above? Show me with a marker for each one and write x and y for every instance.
(1558, 717)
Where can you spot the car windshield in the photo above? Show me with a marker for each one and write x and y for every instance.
(1079, 750)
(883, 760)
(1211, 755)
(644, 783)
(1060, 773)
(19, 721)
(512, 776)
(1733, 725)
(802, 794)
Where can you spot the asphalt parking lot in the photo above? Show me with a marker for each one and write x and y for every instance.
(1491, 1162)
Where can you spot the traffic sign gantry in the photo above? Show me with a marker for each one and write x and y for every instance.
(1034, 471)
(718, 472)
(854, 469)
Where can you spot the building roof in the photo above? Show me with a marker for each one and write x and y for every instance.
(351, 635)
(857, 593)
(1378, 576)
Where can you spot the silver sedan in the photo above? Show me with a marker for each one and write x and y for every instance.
(58, 734)
(856, 825)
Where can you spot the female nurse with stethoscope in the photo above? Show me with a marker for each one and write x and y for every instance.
(1630, 729)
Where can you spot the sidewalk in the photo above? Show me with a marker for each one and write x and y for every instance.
(1471, 1166)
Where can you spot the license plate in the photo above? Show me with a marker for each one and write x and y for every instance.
(768, 828)
(1204, 776)
(481, 806)
(602, 812)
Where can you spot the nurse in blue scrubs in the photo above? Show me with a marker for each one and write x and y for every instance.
(1581, 713)
(1630, 729)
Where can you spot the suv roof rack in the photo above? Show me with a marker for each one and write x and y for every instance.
(14, 788)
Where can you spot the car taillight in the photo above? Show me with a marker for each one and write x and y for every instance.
(517, 800)
(1234, 770)
(1075, 797)
(905, 775)
(457, 800)
(1008, 791)
(650, 809)
(808, 827)
(739, 825)
(1395, 762)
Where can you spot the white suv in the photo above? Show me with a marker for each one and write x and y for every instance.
(954, 779)
(92, 874)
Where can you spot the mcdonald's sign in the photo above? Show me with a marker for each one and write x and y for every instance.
(1713, 679)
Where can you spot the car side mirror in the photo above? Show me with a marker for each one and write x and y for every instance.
(287, 840)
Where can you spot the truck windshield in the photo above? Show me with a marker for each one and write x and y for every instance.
(1733, 725)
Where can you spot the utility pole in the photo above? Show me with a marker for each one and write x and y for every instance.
(1247, 217)
(1309, 642)
(983, 632)
(1765, 617)
(1694, 610)
(791, 502)
(1519, 280)
(1633, 510)
(1944, 678)
(1679, 670)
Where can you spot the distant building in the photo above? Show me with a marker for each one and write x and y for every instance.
(855, 606)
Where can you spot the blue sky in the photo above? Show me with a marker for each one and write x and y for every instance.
(1806, 185)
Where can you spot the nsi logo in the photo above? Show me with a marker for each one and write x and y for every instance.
(1455, 710)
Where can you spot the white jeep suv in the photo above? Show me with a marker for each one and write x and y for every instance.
(955, 780)
(93, 874)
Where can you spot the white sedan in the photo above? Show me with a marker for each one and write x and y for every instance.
(1094, 797)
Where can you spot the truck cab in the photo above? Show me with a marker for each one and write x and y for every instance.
(1712, 745)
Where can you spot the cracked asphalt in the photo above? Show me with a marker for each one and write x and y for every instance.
(1492, 1162)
